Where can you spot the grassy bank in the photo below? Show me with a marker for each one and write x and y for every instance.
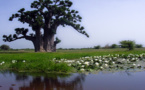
(42, 62)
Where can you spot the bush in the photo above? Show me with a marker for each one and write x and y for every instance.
(4, 47)
(106, 46)
(97, 47)
(138, 46)
(114, 46)
(127, 44)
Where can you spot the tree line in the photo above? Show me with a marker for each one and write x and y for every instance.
(129, 44)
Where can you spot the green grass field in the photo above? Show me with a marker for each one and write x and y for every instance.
(42, 62)
(67, 54)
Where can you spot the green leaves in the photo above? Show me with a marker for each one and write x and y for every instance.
(35, 4)
(69, 3)
(4, 47)
(61, 3)
(57, 41)
(19, 31)
(128, 44)
(82, 28)
(59, 12)
(7, 38)
(15, 36)
(21, 10)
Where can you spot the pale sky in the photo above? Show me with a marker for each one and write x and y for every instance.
(106, 22)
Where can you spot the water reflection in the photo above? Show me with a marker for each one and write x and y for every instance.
(39, 81)
(48, 83)
(104, 80)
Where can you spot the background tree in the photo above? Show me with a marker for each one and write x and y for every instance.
(127, 44)
(138, 46)
(106, 46)
(4, 47)
(114, 46)
(97, 47)
(46, 16)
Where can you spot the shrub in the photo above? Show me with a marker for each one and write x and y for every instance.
(106, 46)
(127, 44)
(114, 46)
(138, 46)
(4, 47)
(97, 47)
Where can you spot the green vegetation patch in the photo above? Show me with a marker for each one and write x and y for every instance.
(61, 61)
(35, 66)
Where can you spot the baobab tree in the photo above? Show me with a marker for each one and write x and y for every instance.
(45, 16)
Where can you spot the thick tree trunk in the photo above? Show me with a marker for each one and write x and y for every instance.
(38, 42)
(49, 43)
(38, 47)
(45, 45)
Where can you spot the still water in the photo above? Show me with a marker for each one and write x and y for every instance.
(103, 80)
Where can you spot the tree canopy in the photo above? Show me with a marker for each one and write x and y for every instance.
(4, 47)
(45, 15)
(127, 44)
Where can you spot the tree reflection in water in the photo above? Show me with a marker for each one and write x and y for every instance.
(52, 82)
(112, 80)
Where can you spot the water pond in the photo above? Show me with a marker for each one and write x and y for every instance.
(102, 80)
